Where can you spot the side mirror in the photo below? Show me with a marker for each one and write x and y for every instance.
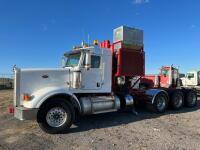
(87, 61)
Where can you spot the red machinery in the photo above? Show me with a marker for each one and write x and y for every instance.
(129, 70)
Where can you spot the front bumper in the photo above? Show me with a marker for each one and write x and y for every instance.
(23, 113)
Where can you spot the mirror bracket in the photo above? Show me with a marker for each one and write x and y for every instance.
(87, 61)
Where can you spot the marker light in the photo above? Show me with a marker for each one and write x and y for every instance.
(95, 42)
(26, 97)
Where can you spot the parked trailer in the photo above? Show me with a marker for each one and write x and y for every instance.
(94, 79)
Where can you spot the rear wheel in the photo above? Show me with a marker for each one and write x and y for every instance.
(191, 98)
(160, 102)
(177, 99)
(56, 116)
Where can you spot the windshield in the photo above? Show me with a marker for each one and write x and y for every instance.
(190, 75)
(164, 72)
(73, 60)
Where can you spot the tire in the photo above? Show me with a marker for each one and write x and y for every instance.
(56, 116)
(190, 98)
(160, 103)
(177, 100)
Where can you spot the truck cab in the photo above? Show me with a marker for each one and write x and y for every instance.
(167, 78)
(82, 85)
(192, 78)
(88, 72)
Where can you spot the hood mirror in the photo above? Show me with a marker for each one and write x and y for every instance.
(63, 62)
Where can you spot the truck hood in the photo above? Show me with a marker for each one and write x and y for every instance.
(31, 80)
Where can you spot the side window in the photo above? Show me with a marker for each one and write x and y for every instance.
(95, 61)
(190, 75)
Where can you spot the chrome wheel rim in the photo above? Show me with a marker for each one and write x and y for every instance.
(161, 103)
(56, 117)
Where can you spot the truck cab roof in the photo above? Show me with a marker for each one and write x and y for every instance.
(95, 49)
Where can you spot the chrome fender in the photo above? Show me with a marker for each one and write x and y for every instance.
(152, 93)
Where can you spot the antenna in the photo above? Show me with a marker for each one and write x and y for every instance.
(83, 37)
(82, 43)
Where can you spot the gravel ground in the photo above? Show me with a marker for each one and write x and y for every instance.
(118, 130)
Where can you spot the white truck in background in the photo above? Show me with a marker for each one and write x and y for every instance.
(192, 80)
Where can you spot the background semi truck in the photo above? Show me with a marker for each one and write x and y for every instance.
(96, 78)
(192, 80)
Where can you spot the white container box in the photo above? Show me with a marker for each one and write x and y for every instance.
(128, 35)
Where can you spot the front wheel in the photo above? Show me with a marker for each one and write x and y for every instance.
(56, 116)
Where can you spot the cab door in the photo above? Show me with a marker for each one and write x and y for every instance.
(190, 79)
(92, 76)
(165, 78)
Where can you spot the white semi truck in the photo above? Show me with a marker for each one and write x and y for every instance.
(94, 79)
(192, 80)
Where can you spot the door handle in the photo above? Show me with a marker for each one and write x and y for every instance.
(98, 84)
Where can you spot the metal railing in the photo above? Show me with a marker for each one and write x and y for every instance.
(6, 81)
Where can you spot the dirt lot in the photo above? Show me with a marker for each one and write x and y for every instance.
(119, 130)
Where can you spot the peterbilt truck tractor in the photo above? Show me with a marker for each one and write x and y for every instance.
(97, 78)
